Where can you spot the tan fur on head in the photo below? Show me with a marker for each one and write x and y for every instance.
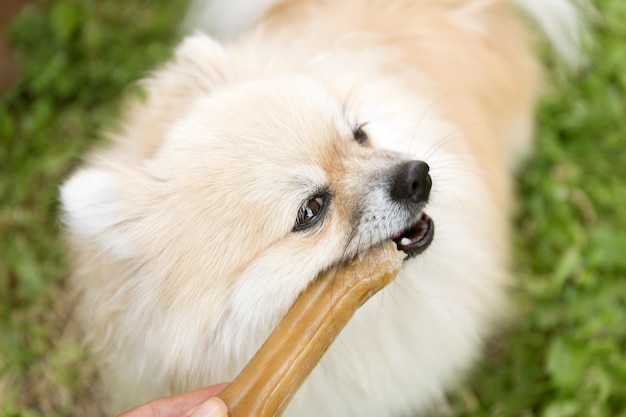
(183, 230)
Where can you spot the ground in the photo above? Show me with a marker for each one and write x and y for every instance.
(565, 355)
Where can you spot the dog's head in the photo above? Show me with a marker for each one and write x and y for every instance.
(255, 188)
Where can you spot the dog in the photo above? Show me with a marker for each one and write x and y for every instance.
(312, 131)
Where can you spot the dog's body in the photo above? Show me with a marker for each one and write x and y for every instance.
(248, 170)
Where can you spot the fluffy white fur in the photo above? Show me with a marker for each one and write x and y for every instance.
(181, 230)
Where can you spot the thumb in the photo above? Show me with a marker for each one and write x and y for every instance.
(213, 407)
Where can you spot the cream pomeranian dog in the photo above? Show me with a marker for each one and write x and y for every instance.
(312, 131)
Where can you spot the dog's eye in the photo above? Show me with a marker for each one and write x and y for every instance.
(359, 134)
(310, 212)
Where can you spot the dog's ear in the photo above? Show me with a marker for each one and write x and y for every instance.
(96, 213)
(198, 67)
(199, 64)
(202, 56)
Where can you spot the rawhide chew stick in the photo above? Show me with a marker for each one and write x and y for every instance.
(271, 378)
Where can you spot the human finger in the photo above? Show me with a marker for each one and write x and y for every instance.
(175, 405)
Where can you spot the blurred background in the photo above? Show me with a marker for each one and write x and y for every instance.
(65, 66)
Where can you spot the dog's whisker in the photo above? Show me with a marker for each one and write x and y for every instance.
(423, 114)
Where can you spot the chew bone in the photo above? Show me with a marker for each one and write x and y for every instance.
(271, 378)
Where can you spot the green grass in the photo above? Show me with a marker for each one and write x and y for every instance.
(79, 58)
(564, 356)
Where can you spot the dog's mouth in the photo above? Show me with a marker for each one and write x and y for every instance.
(416, 238)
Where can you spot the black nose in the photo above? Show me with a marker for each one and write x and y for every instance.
(411, 182)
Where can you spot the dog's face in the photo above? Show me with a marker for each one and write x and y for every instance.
(254, 191)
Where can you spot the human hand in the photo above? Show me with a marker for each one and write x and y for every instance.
(198, 403)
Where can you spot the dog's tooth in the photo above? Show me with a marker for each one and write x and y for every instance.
(405, 241)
